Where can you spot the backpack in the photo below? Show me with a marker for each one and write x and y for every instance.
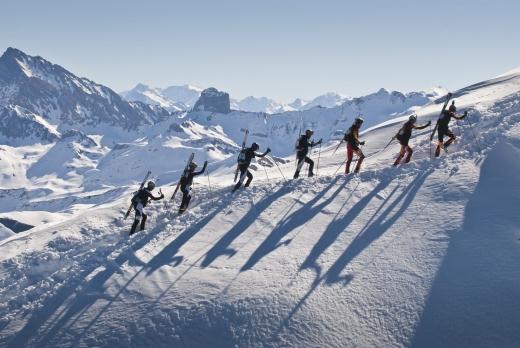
(136, 199)
(242, 157)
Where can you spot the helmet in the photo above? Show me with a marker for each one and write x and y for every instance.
(150, 186)
(255, 146)
(412, 118)
(193, 165)
(358, 121)
(309, 132)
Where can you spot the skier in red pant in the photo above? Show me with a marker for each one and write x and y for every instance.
(353, 142)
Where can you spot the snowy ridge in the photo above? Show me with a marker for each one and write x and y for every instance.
(369, 260)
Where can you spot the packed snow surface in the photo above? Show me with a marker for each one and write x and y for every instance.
(425, 254)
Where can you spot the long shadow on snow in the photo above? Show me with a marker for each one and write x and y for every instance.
(222, 247)
(474, 301)
(376, 229)
(41, 329)
(370, 233)
(295, 220)
(337, 227)
(167, 255)
(83, 301)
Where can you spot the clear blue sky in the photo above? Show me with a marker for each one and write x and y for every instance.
(277, 48)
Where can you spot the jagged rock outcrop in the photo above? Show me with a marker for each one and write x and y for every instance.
(213, 100)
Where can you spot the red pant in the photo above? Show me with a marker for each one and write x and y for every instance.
(404, 149)
(351, 150)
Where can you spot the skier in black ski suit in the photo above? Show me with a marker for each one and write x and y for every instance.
(140, 201)
(244, 160)
(302, 149)
(443, 128)
(186, 182)
(353, 142)
(404, 135)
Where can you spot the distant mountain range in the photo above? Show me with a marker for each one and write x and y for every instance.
(177, 98)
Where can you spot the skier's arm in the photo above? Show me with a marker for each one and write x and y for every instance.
(460, 117)
(153, 198)
(422, 127)
(202, 170)
(263, 154)
(312, 144)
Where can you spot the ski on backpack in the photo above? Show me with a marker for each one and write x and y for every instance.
(186, 170)
(448, 97)
(140, 188)
(241, 153)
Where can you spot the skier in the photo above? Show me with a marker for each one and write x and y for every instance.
(404, 135)
(140, 201)
(186, 182)
(302, 149)
(353, 142)
(244, 160)
(443, 129)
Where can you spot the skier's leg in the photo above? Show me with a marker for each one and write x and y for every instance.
(243, 173)
(440, 143)
(299, 166)
(134, 225)
(450, 140)
(249, 178)
(360, 159)
(409, 155)
(186, 197)
(350, 155)
(311, 166)
(138, 215)
(143, 221)
(400, 156)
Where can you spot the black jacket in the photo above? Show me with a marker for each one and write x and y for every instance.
(249, 154)
(144, 196)
(405, 133)
(445, 119)
(304, 144)
(187, 179)
(352, 136)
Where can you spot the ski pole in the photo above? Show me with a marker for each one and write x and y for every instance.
(430, 142)
(341, 165)
(277, 166)
(318, 164)
(266, 175)
(337, 147)
(209, 183)
(473, 131)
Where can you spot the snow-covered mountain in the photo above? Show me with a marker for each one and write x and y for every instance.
(423, 255)
(259, 104)
(177, 98)
(65, 100)
(173, 98)
(18, 125)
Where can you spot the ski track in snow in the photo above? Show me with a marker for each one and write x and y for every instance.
(425, 254)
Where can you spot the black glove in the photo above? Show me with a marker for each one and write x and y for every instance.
(429, 123)
(162, 195)
(319, 141)
(465, 114)
(205, 164)
(268, 150)
(361, 143)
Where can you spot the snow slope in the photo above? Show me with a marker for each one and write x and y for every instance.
(425, 254)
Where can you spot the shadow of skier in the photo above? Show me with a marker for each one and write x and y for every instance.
(364, 238)
(222, 247)
(291, 223)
